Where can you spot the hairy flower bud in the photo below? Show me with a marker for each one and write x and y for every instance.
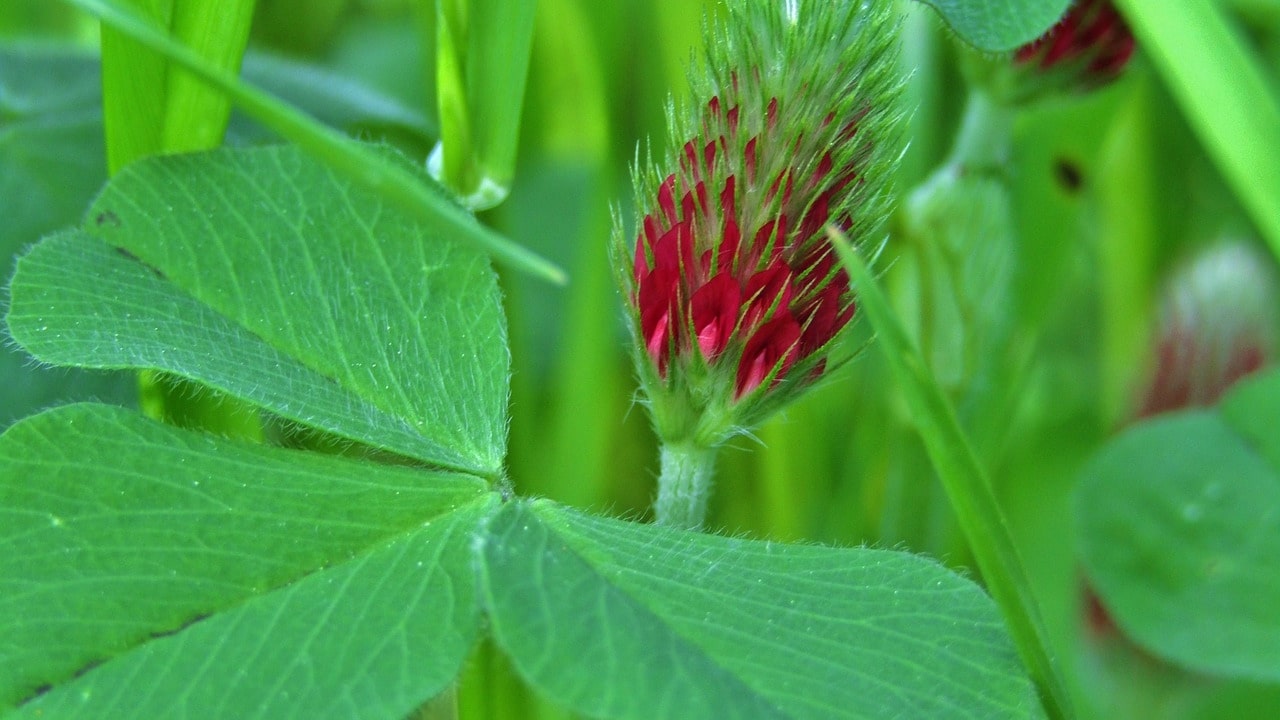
(1092, 39)
(734, 291)
(1217, 324)
(1089, 47)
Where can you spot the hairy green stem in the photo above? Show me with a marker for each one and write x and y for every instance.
(684, 485)
(982, 141)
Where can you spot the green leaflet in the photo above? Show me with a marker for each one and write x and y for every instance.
(999, 25)
(51, 151)
(1179, 527)
(157, 571)
(676, 624)
(283, 285)
(200, 563)
(247, 581)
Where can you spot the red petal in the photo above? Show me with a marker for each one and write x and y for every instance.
(1115, 58)
(815, 218)
(715, 313)
(822, 319)
(768, 242)
(657, 344)
(813, 268)
(730, 242)
(666, 199)
(728, 204)
(773, 346)
(1097, 618)
(773, 189)
(645, 244)
(824, 167)
(641, 264)
(839, 185)
(1061, 43)
(701, 190)
(690, 160)
(767, 290)
(1102, 24)
(760, 243)
(658, 298)
(652, 231)
(1026, 52)
(674, 250)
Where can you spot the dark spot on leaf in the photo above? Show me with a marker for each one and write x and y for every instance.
(154, 270)
(180, 628)
(44, 688)
(36, 693)
(106, 218)
(1069, 175)
(88, 666)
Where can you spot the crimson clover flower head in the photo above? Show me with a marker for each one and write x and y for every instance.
(1088, 47)
(1217, 324)
(734, 291)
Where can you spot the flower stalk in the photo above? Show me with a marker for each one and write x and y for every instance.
(982, 142)
(684, 485)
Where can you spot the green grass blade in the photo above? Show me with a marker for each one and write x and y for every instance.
(196, 115)
(1223, 94)
(150, 107)
(133, 90)
(358, 164)
(966, 484)
(482, 64)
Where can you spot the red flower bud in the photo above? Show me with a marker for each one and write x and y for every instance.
(1089, 47)
(1216, 326)
(750, 287)
(734, 290)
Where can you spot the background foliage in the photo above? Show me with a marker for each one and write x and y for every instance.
(1110, 191)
